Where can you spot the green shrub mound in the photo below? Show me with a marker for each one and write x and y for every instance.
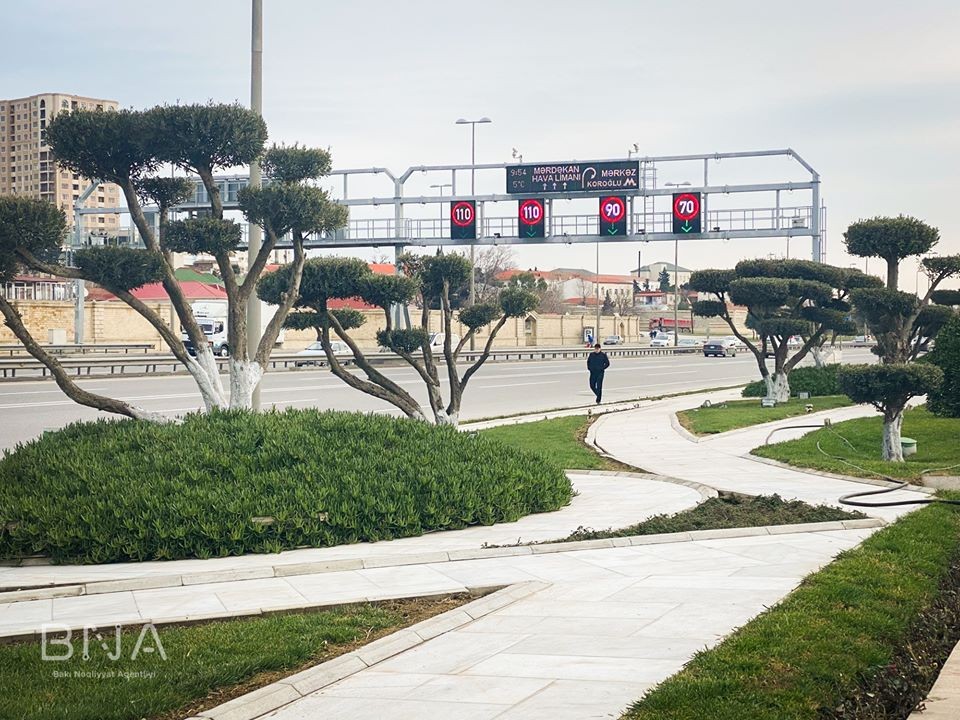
(816, 381)
(236, 482)
(945, 401)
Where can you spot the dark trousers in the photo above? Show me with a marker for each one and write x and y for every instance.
(596, 384)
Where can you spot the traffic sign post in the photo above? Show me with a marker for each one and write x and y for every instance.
(687, 218)
(463, 220)
(531, 219)
(613, 216)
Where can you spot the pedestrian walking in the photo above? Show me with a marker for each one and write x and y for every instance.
(597, 363)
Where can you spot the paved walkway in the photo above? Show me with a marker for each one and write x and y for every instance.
(612, 622)
(647, 438)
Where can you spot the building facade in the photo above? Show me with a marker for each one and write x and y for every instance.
(651, 274)
(27, 168)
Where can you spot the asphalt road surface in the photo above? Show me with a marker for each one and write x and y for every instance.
(29, 408)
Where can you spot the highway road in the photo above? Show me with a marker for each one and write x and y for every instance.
(28, 408)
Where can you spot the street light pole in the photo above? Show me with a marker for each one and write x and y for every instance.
(440, 187)
(254, 238)
(676, 277)
(596, 282)
(473, 191)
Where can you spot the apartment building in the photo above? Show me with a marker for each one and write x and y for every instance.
(27, 167)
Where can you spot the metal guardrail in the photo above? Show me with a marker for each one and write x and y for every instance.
(155, 364)
(104, 349)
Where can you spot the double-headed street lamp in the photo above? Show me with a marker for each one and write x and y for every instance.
(473, 191)
(676, 277)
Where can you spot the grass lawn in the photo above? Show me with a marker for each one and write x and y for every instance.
(560, 440)
(803, 657)
(727, 511)
(937, 447)
(205, 665)
(743, 413)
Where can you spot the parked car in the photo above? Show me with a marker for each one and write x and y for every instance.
(613, 340)
(719, 348)
(689, 342)
(662, 340)
(313, 353)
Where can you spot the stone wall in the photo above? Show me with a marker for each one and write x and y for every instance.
(115, 322)
(104, 322)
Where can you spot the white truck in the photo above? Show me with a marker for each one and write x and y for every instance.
(211, 315)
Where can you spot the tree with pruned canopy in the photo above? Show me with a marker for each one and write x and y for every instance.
(127, 147)
(427, 280)
(783, 298)
(902, 323)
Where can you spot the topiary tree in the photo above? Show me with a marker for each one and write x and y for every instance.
(37, 229)
(903, 324)
(888, 388)
(126, 148)
(783, 298)
(430, 281)
(945, 401)
(892, 239)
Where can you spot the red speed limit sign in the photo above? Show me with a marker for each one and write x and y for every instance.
(613, 216)
(532, 218)
(686, 206)
(463, 220)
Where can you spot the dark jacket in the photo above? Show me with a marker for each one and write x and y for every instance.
(597, 362)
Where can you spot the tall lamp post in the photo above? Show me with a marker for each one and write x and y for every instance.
(473, 191)
(254, 238)
(676, 277)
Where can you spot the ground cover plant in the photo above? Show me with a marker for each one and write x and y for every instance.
(734, 414)
(853, 448)
(803, 658)
(234, 482)
(205, 666)
(729, 510)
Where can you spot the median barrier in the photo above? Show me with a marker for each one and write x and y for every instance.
(19, 368)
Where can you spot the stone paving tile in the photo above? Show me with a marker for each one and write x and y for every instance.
(176, 602)
(573, 700)
(450, 654)
(314, 707)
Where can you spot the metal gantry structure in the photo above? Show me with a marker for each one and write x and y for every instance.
(645, 222)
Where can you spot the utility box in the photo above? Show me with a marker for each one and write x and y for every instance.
(57, 336)
(768, 402)
(909, 446)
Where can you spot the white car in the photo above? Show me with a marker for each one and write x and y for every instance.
(662, 340)
(734, 342)
(313, 353)
(690, 342)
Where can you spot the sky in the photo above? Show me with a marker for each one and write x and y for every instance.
(868, 92)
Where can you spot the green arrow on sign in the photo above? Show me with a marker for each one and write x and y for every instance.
(531, 232)
(686, 227)
(612, 230)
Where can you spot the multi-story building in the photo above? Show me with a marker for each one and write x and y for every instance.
(27, 167)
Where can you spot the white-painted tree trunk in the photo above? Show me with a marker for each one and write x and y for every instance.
(824, 356)
(244, 376)
(150, 416)
(778, 386)
(207, 376)
(892, 448)
(442, 418)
